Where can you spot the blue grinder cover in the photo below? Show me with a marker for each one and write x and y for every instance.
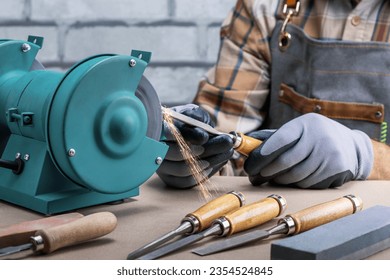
(352, 237)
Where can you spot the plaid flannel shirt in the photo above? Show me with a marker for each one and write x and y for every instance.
(236, 89)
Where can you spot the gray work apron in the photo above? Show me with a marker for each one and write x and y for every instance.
(346, 81)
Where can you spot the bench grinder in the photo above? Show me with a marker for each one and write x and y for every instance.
(75, 139)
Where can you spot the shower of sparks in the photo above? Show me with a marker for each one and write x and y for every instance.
(205, 185)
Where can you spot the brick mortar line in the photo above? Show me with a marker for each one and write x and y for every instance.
(159, 64)
(110, 23)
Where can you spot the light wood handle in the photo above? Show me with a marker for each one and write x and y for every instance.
(217, 208)
(253, 214)
(248, 144)
(83, 229)
(20, 233)
(323, 213)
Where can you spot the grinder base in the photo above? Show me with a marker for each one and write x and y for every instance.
(42, 188)
(53, 203)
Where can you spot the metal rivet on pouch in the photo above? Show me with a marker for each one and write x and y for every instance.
(317, 109)
(378, 114)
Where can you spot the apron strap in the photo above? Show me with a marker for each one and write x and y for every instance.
(291, 6)
(290, 9)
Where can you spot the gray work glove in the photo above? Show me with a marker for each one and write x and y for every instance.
(311, 151)
(213, 151)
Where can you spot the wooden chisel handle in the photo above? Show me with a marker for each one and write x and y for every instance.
(254, 214)
(324, 213)
(83, 229)
(247, 144)
(205, 215)
(20, 233)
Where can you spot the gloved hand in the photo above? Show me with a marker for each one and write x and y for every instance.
(213, 151)
(311, 151)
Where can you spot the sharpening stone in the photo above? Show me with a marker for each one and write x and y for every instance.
(352, 237)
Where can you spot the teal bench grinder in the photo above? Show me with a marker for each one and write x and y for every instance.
(75, 139)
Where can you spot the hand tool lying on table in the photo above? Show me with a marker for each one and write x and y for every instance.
(352, 237)
(51, 239)
(292, 224)
(242, 219)
(197, 220)
(21, 232)
(242, 143)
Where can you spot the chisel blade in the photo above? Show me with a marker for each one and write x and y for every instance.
(188, 120)
(14, 249)
(162, 251)
(232, 242)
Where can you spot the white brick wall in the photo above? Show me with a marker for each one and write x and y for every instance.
(84, 10)
(182, 34)
(161, 40)
(12, 10)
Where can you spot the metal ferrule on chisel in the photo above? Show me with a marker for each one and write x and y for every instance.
(37, 243)
(237, 139)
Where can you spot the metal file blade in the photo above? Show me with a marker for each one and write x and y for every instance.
(191, 121)
(14, 249)
(172, 247)
(232, 242)
(241, 143)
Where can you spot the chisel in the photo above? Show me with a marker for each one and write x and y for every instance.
(292, 224)
(242, 219)
(51, 239)
(20, 233)
(197, 220)
(241, 143)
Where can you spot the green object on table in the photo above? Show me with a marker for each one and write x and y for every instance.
(75, 139)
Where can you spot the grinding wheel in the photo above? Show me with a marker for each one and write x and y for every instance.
(148, 96)
(99, 130)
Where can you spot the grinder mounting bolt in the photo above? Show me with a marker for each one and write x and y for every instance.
(132, 62)
(26, 47)
(71, 152)
(158, 160)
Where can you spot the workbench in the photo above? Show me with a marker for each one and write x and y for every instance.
(159, 209)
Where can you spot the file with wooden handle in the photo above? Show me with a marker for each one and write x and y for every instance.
(54, 238)
(196, 221)
(20, 233)
(292, 224)
(244, 218)
(241, 143)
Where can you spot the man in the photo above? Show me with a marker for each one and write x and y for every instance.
(311, 79)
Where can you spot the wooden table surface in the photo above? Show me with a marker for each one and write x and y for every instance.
(159, 209)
